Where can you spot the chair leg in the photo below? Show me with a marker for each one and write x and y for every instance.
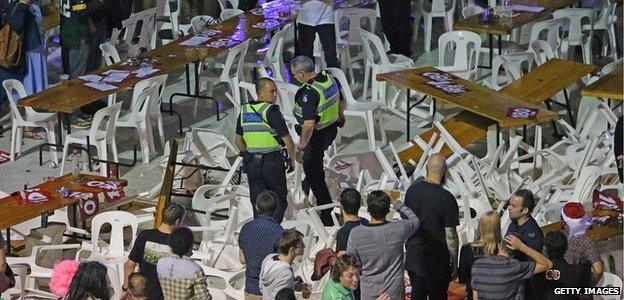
(144, 143)
(382, 129)
(428, 21)
(20, 140)
(52, 139)
(370, 130)
(150, 137)
(14, 129)
(161, 130)
(587, 53)
(64, 158)
(366, 75)
(612, 42)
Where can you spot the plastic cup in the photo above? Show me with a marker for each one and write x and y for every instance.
(64, 79)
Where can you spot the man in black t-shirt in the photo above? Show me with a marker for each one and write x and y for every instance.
(150, 246)
(431, 259)
(350, 202)
(261, 135)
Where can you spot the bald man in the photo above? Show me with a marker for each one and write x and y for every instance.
(431, 259)
(261, 136)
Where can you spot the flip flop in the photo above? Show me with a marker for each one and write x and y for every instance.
(32, 135)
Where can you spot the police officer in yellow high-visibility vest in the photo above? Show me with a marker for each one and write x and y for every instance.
(261, 136)
(318, 109)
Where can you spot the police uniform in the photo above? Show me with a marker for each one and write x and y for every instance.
(319, 100)
(262, 126)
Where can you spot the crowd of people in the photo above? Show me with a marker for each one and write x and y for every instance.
(369, 261)
(371, 256)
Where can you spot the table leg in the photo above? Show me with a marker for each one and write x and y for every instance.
(408, 119)
(554, 124)
(8, 241)
(188, 81)
(568, 107)
(434, 112)
(59, 138)
(500, 44)
(491, 47)
(296, 39)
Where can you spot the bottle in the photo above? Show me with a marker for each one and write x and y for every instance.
(76, 164)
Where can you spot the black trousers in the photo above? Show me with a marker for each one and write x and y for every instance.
(396, 25)
(425, 287)
(327, 35)
(314, 171)
(267, 173)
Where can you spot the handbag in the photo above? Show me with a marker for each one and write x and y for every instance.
(7, 280)
(10, 44)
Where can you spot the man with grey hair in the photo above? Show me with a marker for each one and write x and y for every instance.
(151, 245)
(432, 251)
(261, 135)
(319, 111)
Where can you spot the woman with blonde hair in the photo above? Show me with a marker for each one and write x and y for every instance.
(486, 244)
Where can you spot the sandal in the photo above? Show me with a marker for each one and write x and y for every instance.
(32, 135)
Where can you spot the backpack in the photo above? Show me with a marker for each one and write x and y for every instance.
(10, 43)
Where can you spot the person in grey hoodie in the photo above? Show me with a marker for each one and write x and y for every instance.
(378, 247)
(276, 273)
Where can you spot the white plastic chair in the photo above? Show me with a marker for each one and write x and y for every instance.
(375, 59)
(273, 57)
(438, 10)
(111, 56)
(542, 52)
(138, 115)
(371, 112)
(609, 280)
(230, 75)
(225, 4)
(230, 13)
(471, 10)
(581, 29)
(606, 19)
(466, 55)
(112, 254)
(347, 22)
(147, 18)
(512, 65)
(31, 119)
(106, 117)
(167, 21)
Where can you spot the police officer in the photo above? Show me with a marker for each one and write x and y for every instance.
(319, 111)
(261, 134)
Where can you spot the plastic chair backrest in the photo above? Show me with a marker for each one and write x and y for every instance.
(606, 15)
(350, 20)
(578, 18)
(230, 13)
(250, 88)
(107, 116)
(235, 60)
(466, 44)
(148, 23)
(373, 48)
(118, 220)
(516, 63)
(542, 52)
(160, 83)
(286, 95)
(198, 23)
(471, 10)
(274, 55)
(553, 31)
(346, 89)
(12, 86)
(439, 6)
(611, 66)
(110, 54)
(140, 105)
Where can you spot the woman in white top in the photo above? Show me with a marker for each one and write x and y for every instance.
(316, 16)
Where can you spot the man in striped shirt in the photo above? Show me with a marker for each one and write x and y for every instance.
(501, 276)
